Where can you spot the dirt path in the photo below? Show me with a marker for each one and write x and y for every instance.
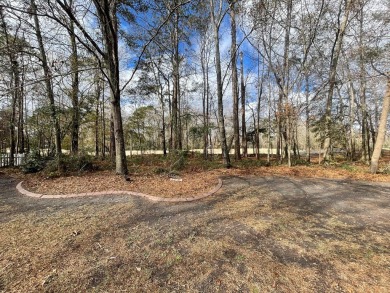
(257, 234)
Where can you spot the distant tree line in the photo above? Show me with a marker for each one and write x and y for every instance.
(109, 75)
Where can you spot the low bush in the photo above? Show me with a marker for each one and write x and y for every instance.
(248, 163)
(177, 160)
(300, 162)
(70, 164)
(160, 171)
(33, 163)
(348, 167)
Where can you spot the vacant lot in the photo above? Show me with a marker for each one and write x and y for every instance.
(257, 234)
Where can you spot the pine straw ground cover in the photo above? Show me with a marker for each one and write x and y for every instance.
(196, 177)
(249, 237)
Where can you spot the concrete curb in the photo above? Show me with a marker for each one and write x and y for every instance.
(23, 191)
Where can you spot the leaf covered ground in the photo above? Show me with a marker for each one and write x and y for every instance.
(195, 177)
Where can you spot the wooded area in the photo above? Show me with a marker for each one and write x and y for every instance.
(106, 76)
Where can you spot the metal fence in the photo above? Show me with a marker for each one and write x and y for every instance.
(5, 160)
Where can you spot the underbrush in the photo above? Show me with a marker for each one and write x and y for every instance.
(251, 162)
(173, 163)
(69, 164)
(57, 166)
(184, 162)
(348, 167)
(34, 162)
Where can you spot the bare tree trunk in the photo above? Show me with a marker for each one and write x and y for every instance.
(12, 122)
(23, 122)
(74, 148)
(21, 140)
(97, 115)
(233, 61)
(162, 104)
(205, 98)
(164, 142)
(176, 139)
(269, 118)
(284, 90)
(106, 10)
(103, 120)
(307, 45)
(351, 140)
(158, 75)
(18, 83)
(381, 130)
(365, 129)
(205, 128)
(112, 138)
(179, 120)
(108, 23)
(243, 105)
(307, 94)
(15, 77)
(48, 83)
(336, 50)
(170, 144)
(259, 95)
(221, 119)
(372, 130)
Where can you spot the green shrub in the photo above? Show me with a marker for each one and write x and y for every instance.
(177, 160)
(159, 171)
(70, 164)
(248, 163)
(348, 167)
(79, 163)
(300, 162)
(386, 169)
(33, 163)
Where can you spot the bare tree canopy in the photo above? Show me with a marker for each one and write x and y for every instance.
(306, 76)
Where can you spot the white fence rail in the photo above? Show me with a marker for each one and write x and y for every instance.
(5, 160)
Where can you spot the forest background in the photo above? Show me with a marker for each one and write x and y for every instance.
(285, 77)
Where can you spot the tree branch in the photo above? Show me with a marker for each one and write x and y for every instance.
(151, 40)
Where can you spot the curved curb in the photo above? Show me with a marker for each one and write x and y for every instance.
(111, 192)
